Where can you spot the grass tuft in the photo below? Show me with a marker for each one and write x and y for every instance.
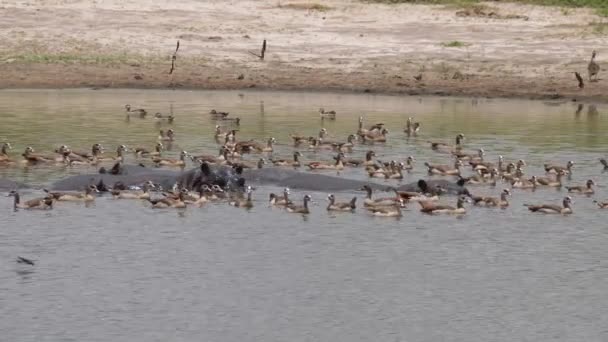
(308, 6)
(454, 44)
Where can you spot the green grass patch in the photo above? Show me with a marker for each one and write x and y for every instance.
(454, 44)
(601, 6)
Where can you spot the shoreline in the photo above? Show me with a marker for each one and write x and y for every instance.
(521, 51)
(508, 89)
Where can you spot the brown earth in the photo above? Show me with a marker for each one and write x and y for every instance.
(501, 50)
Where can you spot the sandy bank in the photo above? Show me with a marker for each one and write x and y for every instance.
(519, 51)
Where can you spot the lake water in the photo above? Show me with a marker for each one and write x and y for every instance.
(120, 271)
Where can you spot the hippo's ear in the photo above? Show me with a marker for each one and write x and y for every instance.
(241, 182)
(461, 182)
(205, 169)
(422, 185)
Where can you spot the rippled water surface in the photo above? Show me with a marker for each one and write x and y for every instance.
(120, 271)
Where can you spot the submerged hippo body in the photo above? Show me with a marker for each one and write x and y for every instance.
(8, 185)
(231, 179)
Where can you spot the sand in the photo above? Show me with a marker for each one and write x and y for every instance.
(507, 51)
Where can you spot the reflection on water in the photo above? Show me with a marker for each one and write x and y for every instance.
(122, 271)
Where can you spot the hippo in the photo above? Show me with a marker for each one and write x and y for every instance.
(235, 178)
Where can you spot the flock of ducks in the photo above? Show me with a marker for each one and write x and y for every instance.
(232, 151)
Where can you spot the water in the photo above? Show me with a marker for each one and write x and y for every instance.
(120, 271)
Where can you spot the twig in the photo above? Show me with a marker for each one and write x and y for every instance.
(174, 59)
(262, 53)
(581, 84)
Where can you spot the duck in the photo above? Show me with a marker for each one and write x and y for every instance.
(377, 202)
(33, 158)
(413, 196)
(482, 178)
(340, 206)
(303, 209)
(243, 203)
(141, 112)
(142, 152)
(203, 196)
(549, 168)
(470, 157)
(134, 194)
(181, 162)
(371, 137)
(4, 152)
(280, 202)
(604, 163)
(170, 136)
(339, 165)
(395, 172)
(215, 192)
(221, 158)
(501, 202)
(409, 163)
(373, 130)
(565, 209)
(268, 147)
(368, 161)
(441, 146)
(346, 146)
(86, 196)
(299, 139)
(586, 189)
(382, 170)
(503, 166)
(327, 114)
(525, 183)
(593, 69)
(119, 155)
(601, 205)
(556, 183)
(218, 114)
(411, 127)
(161, 118)
(292, 163)
(223, 135)
(36, 203)
(512, 174)
(444, 170)
(433, 208)
(96, 151)
(388, 211)
(166, 202)
(248, 146)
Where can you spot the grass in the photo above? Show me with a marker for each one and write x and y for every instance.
(75, 58)
(454, 44)
(599, 28)
(308, 6)
(601, 6)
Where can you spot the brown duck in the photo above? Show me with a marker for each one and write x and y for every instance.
(565, 209)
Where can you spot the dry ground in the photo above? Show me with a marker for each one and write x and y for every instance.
(504, 50)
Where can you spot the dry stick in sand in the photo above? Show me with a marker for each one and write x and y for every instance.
(174, 58)
(581, 84)
(263, 52)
